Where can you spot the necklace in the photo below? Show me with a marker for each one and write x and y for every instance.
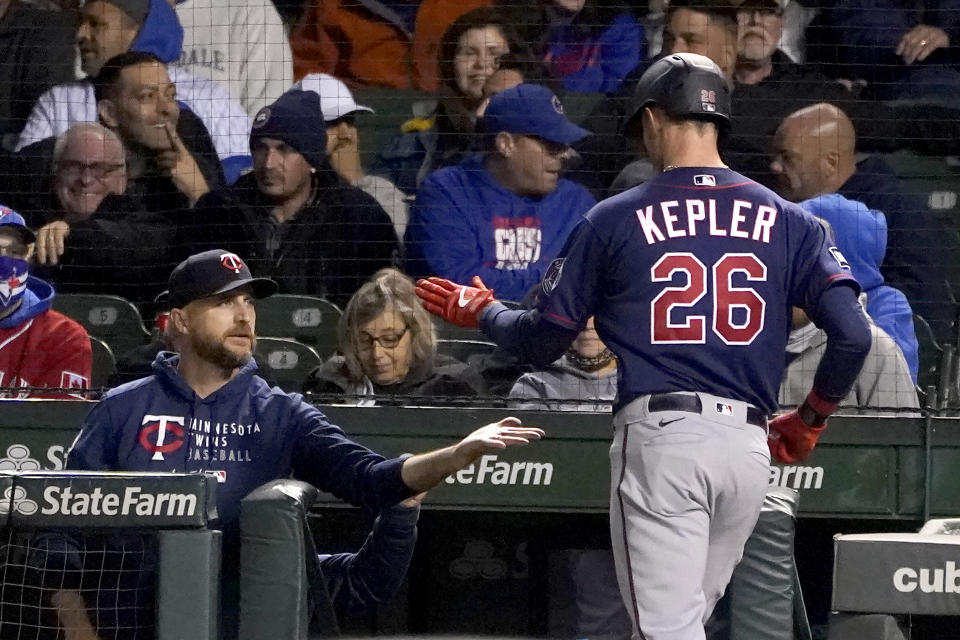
(670, 167)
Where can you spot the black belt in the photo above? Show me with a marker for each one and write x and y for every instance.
(691, 403)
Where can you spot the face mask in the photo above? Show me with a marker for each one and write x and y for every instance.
(13, 280)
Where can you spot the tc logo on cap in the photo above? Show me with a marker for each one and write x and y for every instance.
(232, 262)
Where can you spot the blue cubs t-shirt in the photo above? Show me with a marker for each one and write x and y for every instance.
(692, 277)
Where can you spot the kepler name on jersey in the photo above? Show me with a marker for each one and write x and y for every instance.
(697, 216)
(133, 501)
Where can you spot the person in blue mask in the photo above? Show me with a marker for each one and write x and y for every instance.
(43, 354)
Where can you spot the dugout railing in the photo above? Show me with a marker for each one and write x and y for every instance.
(128, 544)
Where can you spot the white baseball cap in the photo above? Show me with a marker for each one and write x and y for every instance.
(336, 101)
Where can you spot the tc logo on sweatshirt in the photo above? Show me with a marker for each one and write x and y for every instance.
(161, 434)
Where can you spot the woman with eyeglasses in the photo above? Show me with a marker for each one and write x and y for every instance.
(388, 352)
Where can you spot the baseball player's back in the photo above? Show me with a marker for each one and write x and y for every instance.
(691, 277)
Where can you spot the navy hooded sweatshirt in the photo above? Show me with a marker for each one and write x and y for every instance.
(248, 431)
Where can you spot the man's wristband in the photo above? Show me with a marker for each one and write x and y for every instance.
(815, 410)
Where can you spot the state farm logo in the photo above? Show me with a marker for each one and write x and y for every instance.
(494, 472)
(65, 501)
(161, 434)
(946, 580)
(18, 459)
(17, 498)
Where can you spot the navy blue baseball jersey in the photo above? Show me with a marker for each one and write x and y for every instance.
(691, 277)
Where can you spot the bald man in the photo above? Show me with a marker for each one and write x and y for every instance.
(813, 153)
(89, 163)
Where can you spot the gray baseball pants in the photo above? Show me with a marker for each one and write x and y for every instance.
(686, 491)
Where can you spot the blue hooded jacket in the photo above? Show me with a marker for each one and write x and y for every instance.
(861, 235)
(160, 33)
(247, 430)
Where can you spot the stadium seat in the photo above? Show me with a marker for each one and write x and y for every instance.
(110, 318)
(930, 355)
(104, 363)
(310, 320)
(285, 362)
(392, 107)
(463, 349)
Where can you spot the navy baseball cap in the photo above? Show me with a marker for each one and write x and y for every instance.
(211, 273)
(12, 219)
(532, 110)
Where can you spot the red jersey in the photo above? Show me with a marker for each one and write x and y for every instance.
(46, 350)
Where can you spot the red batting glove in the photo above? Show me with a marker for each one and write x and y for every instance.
(794, 435)
(455, 303)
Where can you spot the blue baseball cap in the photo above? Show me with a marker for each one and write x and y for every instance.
(10, 218)
(532, 110)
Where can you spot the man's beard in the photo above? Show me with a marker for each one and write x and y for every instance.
(215, 352)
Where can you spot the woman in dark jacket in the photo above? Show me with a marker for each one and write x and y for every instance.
(388, 351)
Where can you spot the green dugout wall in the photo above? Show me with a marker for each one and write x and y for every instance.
(864, 467)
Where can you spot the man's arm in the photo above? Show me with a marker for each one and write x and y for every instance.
(356, 581)
(424, 471)
(838, 312)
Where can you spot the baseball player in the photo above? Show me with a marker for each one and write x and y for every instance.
(690, 277)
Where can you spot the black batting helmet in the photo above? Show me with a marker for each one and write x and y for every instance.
(687, 86)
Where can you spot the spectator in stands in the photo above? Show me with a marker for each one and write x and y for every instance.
(503, 214)
(388, 347)
(163, 172)
(89, 163)
(583, 379)
(767, 88)
(814, 153)
(212, 380)
(36, 47)
(884, 383)
(96, 237)
(513, 70)
(861, 234)
(706, 27)
(588, 45)
(343, 145)
(385, 43)
(442, 132)
(903, 50)
(38, 346)
(293, 216)
(239, 44)
(137, 100)
(111, 27)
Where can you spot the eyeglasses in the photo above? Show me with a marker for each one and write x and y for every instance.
(389, 341)
(100, 170)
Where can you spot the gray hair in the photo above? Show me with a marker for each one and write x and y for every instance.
(93, 127)
(387, 289)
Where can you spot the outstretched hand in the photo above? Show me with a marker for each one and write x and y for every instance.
(508, 432)
(456, 303)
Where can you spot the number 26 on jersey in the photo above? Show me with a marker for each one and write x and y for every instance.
(737, 312)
